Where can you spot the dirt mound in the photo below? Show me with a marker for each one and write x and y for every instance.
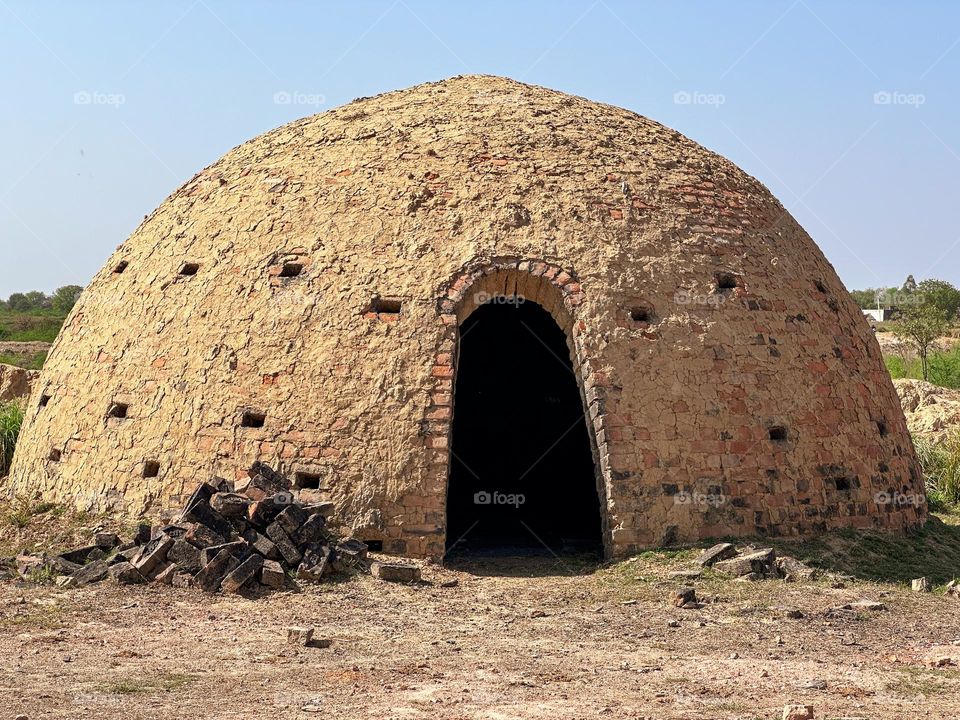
(932, 412)
(891, 344)
(16, 383)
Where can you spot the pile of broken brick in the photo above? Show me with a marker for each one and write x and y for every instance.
(749, 563)
(754, 564)
(229, 536)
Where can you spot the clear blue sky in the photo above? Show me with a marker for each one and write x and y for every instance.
(108, 106)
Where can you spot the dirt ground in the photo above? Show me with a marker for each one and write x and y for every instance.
(890, 344)
(515, 638)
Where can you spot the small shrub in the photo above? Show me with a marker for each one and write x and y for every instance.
(44, 575)
(19, 511)
(896, 366)
(944, 368)
(11, 418)
(941, 471)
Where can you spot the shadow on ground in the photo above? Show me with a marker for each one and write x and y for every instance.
(512, 563)
(931, 551)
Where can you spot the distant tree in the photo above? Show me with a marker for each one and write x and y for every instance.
(63, 299)
(19, 302)
(869, 298)
(941, 295)
(921, 325)
(37, 300)
(866, 299)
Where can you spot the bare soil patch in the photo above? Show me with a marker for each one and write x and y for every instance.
(526, 637)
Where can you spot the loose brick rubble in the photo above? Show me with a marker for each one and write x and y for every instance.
(754, 563)
(224, 540)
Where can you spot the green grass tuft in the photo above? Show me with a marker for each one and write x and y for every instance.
(11, 418)
(165, 682)
(29, 362)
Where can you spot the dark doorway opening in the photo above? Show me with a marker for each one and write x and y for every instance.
(522, 475)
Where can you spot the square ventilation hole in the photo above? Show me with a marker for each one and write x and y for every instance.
(118, 410)
(374, 545)
(54, 455)
(383, 306)
(290, 270)
(641, 314)
(778, 433)
(307, 481)
(121, 266)
(190, 269)
(843, 484)
(151, 469)
(44, 400)
(253, 419)
(726, 281)
(882, 428)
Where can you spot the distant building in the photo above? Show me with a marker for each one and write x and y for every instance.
(880, 314)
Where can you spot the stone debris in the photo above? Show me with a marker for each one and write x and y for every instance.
(798, 712)
(686, 598)
(747, 564)
(722, 551)
(124, 573)
(953, 589)
(299, 636)
(921, 585)
(757, 564)
(395, 572)
(792, 570)
(229, 537)
(849, 610)
(871, 605)
(787, 612)
(15, 382)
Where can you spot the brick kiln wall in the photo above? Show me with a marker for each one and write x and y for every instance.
(216, 352)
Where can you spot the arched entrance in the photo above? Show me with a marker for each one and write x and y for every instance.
(522, 474)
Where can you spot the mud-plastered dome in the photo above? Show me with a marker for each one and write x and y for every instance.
(303, 302)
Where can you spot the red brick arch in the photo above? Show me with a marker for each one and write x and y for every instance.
(559, 292)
